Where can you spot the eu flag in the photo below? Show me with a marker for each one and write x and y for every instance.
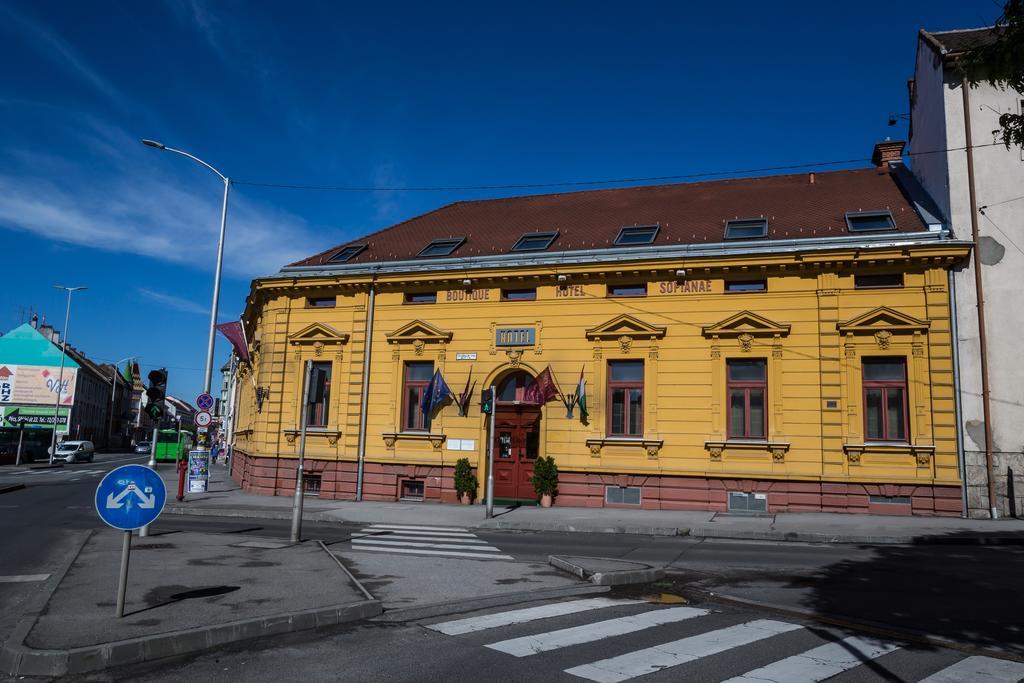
(434, 395)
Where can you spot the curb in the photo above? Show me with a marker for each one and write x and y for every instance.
(18, 659)
(872, 627)
(644, 573)
(12, 487)
(596, 529)
(853, 539)
(248, 513)
(440, 609)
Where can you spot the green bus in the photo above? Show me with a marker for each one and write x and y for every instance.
(172, 444)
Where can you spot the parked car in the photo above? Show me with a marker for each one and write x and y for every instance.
(75, 451)
(143, 447)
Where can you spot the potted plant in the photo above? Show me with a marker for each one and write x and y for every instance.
(545, 479)
(465, 481)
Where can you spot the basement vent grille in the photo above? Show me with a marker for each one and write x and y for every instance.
(748, 502)
(622, 495)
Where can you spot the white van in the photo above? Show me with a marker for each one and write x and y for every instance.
(75, 451)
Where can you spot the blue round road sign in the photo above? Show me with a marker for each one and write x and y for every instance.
(130, 497)
(204, 402)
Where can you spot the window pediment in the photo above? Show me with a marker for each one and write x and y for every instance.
(882, 318)
(420, 331)
(746, 322)
(626, 326)
(318, 333)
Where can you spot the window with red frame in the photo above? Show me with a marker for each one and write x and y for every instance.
(513, 387)
(319, 395)
(417, 377)
(625, 398)
(885, 399)
(747, 386)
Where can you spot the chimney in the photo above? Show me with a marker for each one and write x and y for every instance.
(46, 331)
(885, 152)
(34, 322)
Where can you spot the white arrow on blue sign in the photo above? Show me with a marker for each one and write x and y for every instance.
(130, 497)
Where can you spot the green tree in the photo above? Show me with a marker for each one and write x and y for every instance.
(1001, 64)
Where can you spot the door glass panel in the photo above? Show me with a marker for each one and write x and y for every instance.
(736, 410)
(894, 407)
(618, 411)
(756, 413)
(636, 411)
(873, 412)
(532, 443)
(505, 445)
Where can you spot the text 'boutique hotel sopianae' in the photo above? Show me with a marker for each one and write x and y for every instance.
(777, 343)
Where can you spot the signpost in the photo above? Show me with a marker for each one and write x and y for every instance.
(128, 498)
(204, 402)
(203, 419)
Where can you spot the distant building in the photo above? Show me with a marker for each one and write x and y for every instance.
(977, 184)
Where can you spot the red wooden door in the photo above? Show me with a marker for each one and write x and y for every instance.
(516, 446)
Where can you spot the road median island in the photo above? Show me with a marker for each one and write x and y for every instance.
(606, 571)
(187, 592)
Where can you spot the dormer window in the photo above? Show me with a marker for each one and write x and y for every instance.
(636, 234)
(747, 228)
(346, 253)
(535, 241)
(442, 247)
(869, 221)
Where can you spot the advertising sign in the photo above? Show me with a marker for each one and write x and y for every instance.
(34, 417)
(198, 471)
(36, 384)
(515, 336)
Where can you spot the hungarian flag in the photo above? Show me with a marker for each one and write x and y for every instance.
(543, 388)
(435, 394)
(235, 333)
(581, 396)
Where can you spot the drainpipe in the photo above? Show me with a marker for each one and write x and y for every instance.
(961, 463)
(365, 392)
(978, 287)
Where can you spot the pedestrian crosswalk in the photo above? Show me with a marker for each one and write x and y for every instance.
(405, 539)
(797, 653)
(58, 472)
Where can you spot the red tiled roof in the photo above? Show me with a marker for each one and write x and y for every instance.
(688, 213)
(962, 40)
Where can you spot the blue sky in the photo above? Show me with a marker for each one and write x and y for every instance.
(384, 95)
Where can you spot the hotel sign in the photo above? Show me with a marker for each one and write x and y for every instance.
(515, 336)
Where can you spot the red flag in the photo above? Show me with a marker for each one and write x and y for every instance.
(543, 388)
(235, 333)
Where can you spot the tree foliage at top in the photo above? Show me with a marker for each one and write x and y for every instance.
(1001, 64)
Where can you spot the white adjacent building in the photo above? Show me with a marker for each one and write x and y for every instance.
(955, 147)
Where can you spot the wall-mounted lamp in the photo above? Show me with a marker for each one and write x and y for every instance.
(681, 274)
(467, 282)
(262, 393)
(563, 278)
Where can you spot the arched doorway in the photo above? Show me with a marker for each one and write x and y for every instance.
(516, 438)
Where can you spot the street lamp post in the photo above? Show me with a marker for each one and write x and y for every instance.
(60, 377)
(207, 378)
(113, 390)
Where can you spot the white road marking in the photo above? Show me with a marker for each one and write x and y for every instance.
(436, 534)
(678, 652)
(821, 662)
(980, 670)
(447, 553)
(406, 544)
(421, 528)
(399, 537)
(520, 616)
(24, 578)
(588, 633)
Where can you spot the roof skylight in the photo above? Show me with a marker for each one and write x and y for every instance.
(442, 247)
(868, 221)
(636, 234)
(746, 228)
(346, 253)
(535, 241)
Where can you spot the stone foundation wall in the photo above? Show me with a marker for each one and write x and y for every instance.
(977, 484)
(270, 476)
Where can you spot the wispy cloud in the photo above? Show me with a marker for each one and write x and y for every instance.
(176, 302)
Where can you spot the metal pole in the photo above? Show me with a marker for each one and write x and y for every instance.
(490, 457)
(60, 377)
(113, 390)
(299, 493)
(208, 377)
(122, 580)
(21, 437)
(144, 531)
(365, 397)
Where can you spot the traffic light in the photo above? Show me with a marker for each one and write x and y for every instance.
(156, 393)
(486, 401)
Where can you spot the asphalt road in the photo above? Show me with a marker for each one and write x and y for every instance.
(968, 594)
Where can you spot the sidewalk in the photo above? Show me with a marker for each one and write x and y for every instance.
(186, 592)
(227, 500)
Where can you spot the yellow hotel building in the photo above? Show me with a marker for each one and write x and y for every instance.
(778, 343)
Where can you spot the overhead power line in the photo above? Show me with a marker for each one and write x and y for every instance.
(574, 183)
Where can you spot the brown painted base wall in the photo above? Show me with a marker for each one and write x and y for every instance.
(270, 476)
